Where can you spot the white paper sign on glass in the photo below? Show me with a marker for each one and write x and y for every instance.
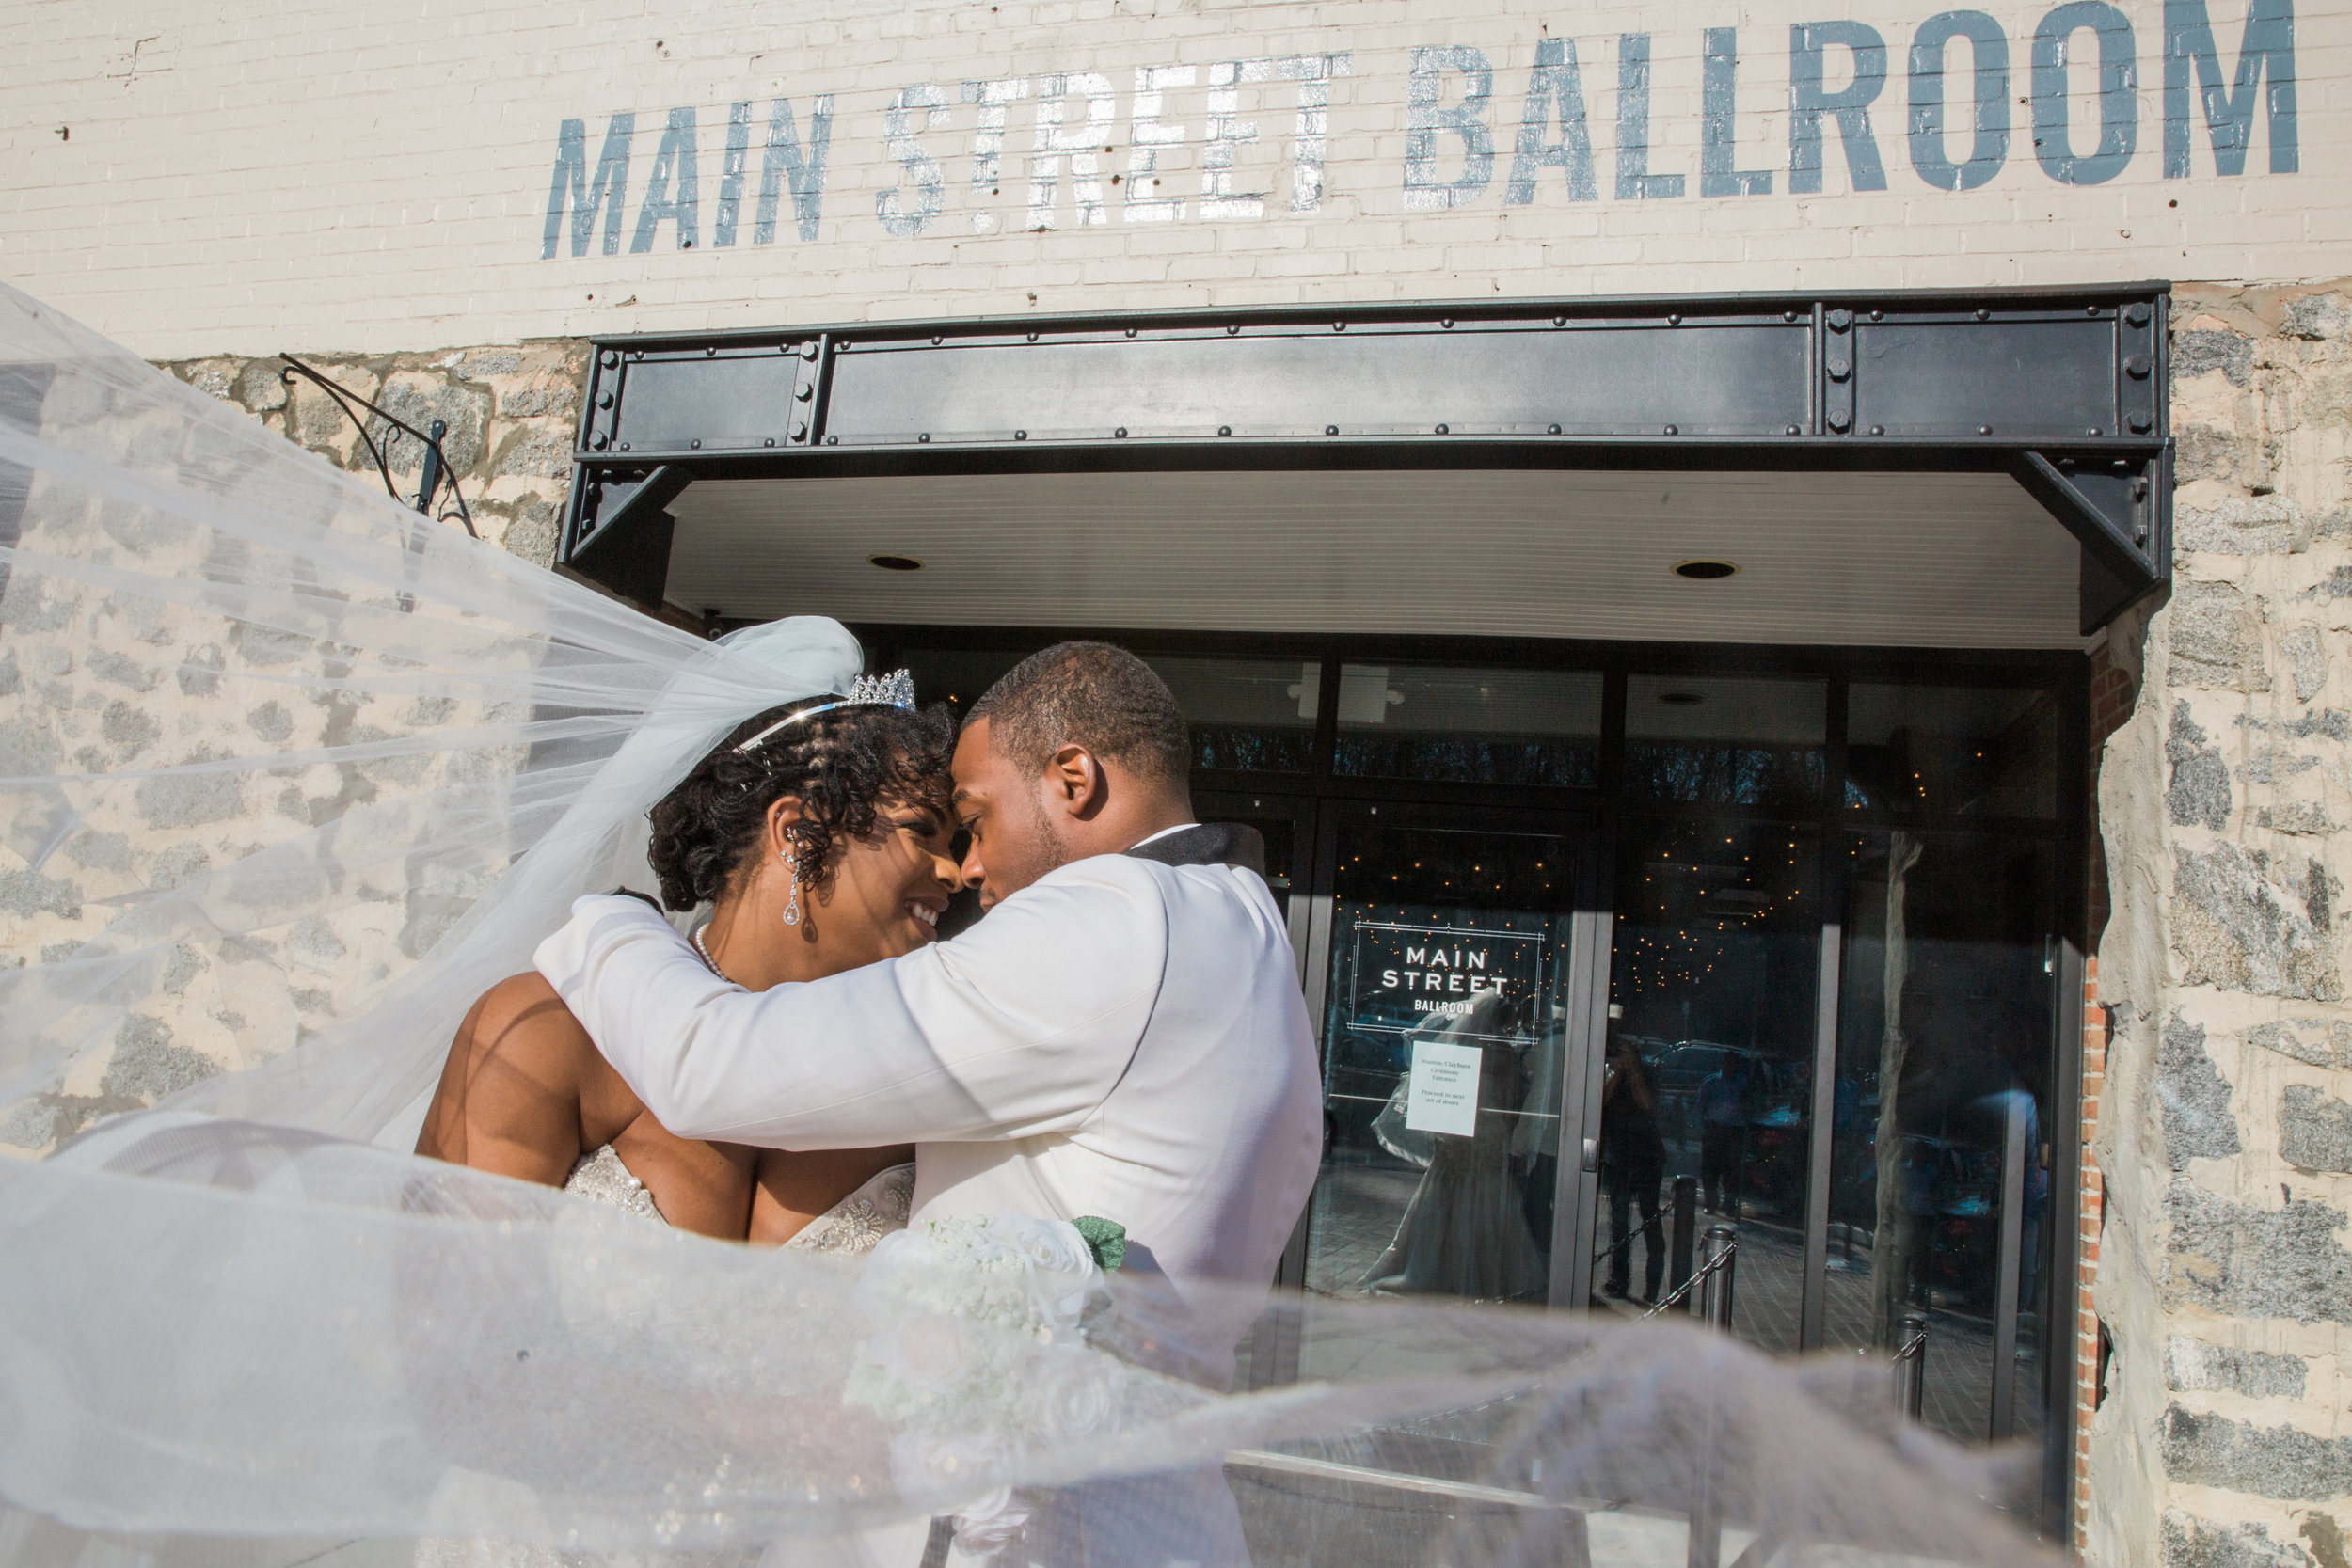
(1441, 1093)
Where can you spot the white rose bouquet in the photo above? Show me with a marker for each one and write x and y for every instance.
(979, 1353)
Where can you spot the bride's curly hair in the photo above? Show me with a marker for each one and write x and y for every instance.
(845, 766)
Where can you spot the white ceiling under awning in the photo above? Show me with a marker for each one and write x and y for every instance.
(1944, 560)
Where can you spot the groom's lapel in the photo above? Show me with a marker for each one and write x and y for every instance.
(1207, 843)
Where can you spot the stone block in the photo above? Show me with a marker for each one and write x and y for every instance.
(2296, 816)
(122, 724)
(2269, 1461)
(2237, 927)
(97, 852)
(187, 800)
(2318, 318)
(2306, 1040)
(537, 455)
(311, 935)
(533, 533)
(2191, 1542)
(2244, 1261)
(177, 864)
(2314, 1131)
(25, 892)
(556, 400)
(270, 721)
(2199, 795)
(2192, 1366)
(465, 409)
(428, 916)
(2306, 651)
(482, 363)
(2207, 452)
(2203, 351)
(2217, 639)
(199, 671)
(147, 1065)
(260, 386)
(2244, 525)
(107, 665)
(2193, 1097)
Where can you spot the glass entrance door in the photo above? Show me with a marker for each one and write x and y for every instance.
(1451, 970)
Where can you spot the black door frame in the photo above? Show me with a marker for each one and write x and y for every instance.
(1585, 905)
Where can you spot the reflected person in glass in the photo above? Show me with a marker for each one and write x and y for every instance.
(1633, 1163)
(1465, 1232)
(1723, 1133)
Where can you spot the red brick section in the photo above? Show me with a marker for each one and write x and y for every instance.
(2092, 1209)
(2111, 699)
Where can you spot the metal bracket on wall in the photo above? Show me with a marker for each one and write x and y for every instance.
(621, 533)
(2105, 504)
(437, 468)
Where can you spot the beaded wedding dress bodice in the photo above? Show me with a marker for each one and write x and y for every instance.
(849, 1229)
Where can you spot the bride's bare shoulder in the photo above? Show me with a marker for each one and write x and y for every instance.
(510, 1092)
(522, 1009)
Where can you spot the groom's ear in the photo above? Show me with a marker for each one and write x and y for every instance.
(1075, 777)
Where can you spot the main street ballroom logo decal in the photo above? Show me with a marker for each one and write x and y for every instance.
(1964, 82)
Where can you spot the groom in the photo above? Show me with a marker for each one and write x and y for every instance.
(1122, 1036)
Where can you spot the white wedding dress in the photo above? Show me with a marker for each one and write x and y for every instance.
(849, 1229)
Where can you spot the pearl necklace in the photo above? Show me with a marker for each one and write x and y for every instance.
(707, 959)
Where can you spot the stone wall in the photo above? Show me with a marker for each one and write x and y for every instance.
(101, 686)
(511, 412)
(2223, 1433)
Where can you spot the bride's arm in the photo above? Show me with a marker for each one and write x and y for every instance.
(791, 1190)
(509, 1096)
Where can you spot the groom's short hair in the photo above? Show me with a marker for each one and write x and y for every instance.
(1091, 694)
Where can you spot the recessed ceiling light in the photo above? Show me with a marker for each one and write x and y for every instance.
(1704, 571)
(895, 563)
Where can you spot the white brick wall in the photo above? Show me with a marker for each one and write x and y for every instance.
(306, 175)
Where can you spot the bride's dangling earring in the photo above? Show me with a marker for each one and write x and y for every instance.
(792, 905)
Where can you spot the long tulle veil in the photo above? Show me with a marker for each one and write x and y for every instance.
(288, 776)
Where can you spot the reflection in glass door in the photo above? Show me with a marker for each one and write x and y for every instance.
(1710, 1058)
(1449, 999)
(1940, 1201)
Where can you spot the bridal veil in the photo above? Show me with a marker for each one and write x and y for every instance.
(289, 775)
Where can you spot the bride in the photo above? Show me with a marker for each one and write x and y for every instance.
(819, 833)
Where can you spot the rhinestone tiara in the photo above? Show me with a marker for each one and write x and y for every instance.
(895, 689)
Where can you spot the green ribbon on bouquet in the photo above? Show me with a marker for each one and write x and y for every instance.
(1106, 1239)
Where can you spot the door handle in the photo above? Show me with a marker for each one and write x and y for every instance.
(1592, 1155)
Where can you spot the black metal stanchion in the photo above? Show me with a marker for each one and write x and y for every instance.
(1686, 1231)
(1713, 1300)
(1911, 1362)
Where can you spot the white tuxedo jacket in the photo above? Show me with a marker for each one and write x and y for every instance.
(1122, 1038)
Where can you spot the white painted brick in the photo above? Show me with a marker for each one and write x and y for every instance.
(297, 175)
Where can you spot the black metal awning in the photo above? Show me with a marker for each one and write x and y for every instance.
(2062, 391)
